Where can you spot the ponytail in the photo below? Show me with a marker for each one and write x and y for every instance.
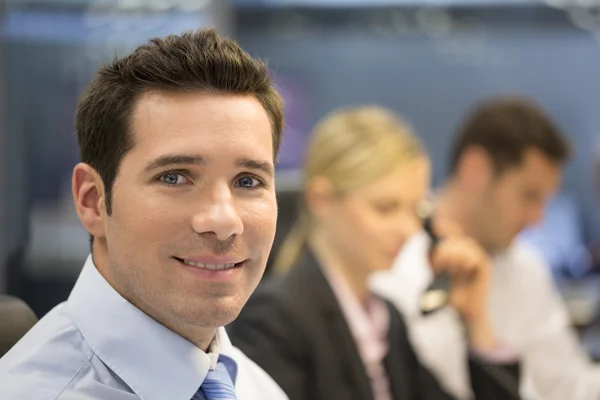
(291, 248)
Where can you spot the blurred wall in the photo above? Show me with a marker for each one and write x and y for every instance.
(431, 65)
(50, 52)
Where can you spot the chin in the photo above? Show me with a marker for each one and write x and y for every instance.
(216, 318)
(211, 313)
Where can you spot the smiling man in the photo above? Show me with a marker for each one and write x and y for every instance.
(176, 188)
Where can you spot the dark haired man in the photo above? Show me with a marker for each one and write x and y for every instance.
(177, 142)
(505, 164)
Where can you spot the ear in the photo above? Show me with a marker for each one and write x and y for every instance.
(319, 196)
(88, 195)
(475, 168)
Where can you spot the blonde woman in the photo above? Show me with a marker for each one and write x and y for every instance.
(316, 328)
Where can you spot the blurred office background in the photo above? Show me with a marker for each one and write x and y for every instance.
(427, 60)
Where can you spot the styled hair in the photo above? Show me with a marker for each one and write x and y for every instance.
(506, 127)
(193, 61)
(350, 148)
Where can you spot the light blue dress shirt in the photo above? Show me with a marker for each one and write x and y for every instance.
(98, 346)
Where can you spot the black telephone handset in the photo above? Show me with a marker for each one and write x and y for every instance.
(436, 295)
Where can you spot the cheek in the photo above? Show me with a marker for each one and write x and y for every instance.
(371, 227)
(260, 220)
(373, 243)
(152, 217)
(511, 209)
(501, 205)
(360, 233)
(508, 215)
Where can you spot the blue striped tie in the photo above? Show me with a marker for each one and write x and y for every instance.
(217, 385)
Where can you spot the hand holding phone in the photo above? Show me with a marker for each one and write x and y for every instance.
(436, 295)
(461, 273)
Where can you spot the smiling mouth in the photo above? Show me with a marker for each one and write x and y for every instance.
(208, 266)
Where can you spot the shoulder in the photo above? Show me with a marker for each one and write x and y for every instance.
(523, 263)
(270, 297)
(522, 281)
(43, 363)
(396, 321)
(273, 309)
(283, 311)
(289, 293)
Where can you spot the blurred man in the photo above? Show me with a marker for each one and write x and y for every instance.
(506, 164)
(176, 188)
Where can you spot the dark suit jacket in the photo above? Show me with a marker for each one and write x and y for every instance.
(16, 318)
(293, 327)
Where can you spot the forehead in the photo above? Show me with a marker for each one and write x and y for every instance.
(211, 124)
(409, 180)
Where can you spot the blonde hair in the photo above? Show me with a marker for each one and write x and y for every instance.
(350, 148)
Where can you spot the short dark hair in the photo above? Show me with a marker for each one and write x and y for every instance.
(506, 127)
(201, 60)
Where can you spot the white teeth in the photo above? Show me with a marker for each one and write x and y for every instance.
(214, 267)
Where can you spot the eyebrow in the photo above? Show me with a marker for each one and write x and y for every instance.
(263, 166)
(170, 160)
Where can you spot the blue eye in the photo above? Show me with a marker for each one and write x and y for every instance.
(248, 182)
(173, 179)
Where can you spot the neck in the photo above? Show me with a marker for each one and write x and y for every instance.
(201, 337)
(355, 277)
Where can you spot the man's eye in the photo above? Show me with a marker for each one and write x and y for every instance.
(173, 179)
(248, 182)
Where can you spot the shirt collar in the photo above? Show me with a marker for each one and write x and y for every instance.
(368, 323)
(215, 355)
(152, 360)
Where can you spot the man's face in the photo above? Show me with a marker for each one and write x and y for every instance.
(515, 200)
(197, 188)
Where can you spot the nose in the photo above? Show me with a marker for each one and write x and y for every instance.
(218, 214)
